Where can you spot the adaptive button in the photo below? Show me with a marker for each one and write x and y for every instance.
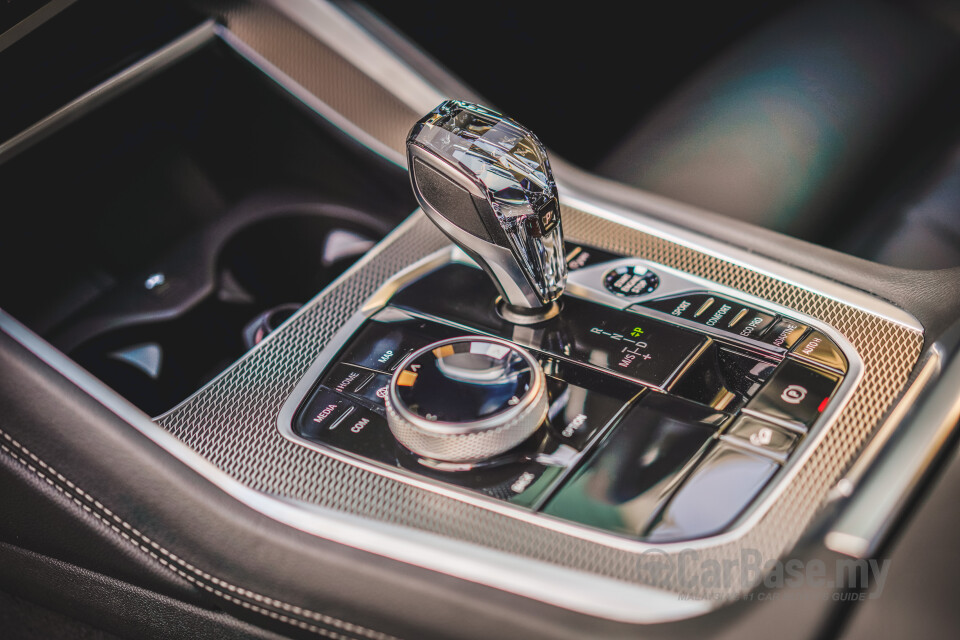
(712, 497)
(785, 333)
(347, 379)
(819, 349)
(796, 394)
(773, 440)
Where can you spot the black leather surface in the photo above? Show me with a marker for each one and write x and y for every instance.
(92, 606)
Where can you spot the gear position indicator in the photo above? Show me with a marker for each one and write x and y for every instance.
(645, 350)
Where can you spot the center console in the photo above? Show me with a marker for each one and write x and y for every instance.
(643, 403)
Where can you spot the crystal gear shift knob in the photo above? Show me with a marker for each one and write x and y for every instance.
(485, 180)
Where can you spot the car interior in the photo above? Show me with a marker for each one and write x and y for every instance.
(360, 319)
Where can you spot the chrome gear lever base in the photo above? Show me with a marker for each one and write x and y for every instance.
(485, 180)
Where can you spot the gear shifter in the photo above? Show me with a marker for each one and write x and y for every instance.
(485, 180)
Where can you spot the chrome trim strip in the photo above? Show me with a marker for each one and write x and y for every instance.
(32, 21)
(898, 459)
(109, 89)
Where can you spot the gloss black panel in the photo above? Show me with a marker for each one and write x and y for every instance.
(624, 484)
(715, 311)
(580, 256)
(714, 494)
(346, 412)
(576, 413)
(641, 348)
(723, 378)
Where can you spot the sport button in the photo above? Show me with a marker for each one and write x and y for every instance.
(796, 394)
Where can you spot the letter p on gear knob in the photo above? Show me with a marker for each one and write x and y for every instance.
(485, 180)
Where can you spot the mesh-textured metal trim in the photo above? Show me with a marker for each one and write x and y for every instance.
(232, 422)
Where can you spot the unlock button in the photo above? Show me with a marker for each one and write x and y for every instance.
(795, 395)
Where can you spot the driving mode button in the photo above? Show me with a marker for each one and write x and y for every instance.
(785, 333)
(796, 394)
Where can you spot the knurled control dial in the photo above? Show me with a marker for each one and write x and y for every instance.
(466, 399)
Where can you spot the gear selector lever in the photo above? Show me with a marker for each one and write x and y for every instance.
(485, 180)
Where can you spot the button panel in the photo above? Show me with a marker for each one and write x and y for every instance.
(717, 312)
(656, 429)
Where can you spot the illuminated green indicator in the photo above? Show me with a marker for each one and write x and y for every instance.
(636, 332)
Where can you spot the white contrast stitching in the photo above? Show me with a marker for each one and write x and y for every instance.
(124, 529)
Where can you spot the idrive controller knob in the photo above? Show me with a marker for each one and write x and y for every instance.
(486, 181)
(466, 399)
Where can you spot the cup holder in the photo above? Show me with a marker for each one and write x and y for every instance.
(261, 270)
